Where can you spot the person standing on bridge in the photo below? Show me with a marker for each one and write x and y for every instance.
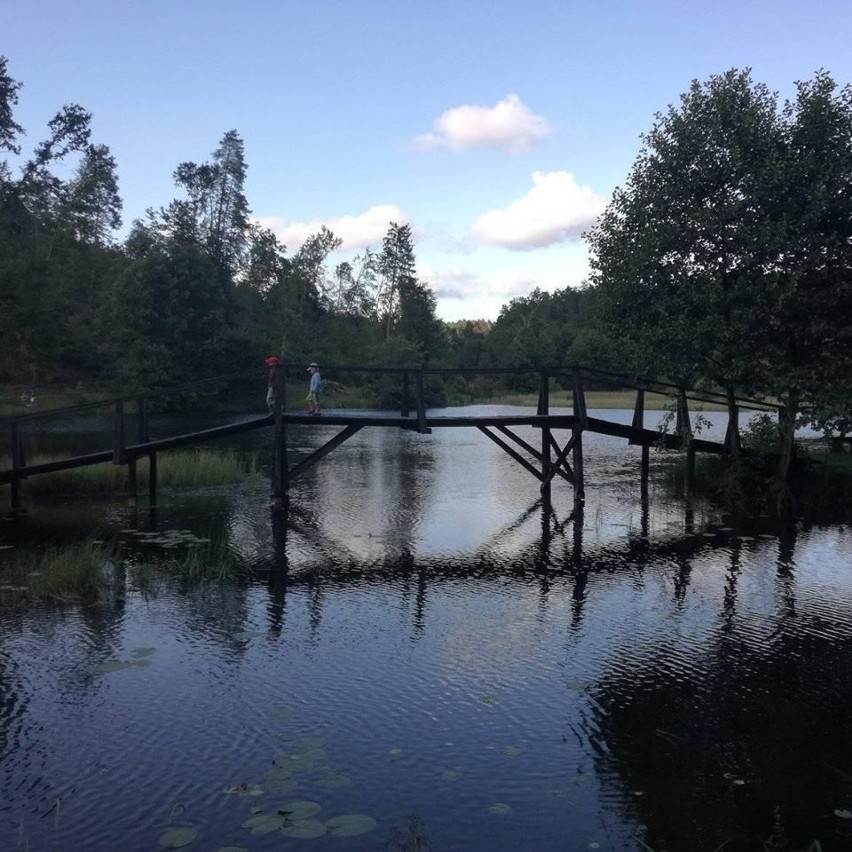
(272, 362)
(314, 390)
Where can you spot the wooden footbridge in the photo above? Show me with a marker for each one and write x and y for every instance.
(546, 460)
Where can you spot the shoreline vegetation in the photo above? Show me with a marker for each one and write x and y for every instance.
(11, 406)
(90, 570)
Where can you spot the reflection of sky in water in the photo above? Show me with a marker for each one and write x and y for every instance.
(641, 653)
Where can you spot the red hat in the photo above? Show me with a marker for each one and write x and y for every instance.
(272, 361)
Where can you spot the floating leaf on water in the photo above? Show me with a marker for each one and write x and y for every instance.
(142, 652)
(500, 808)
(451, 774)
(594, 845)
(395, 752)
(265, 823)
(279, 713)
(178, 836)
(305, 829)
(843, 814)
(350, 825)
(309, 742)
(300, 809)
(511, 751)
(119, 665)
(244, 790)
(487, 699)
(280, 784)
(231, 849)
(559, 792)
(335, 782)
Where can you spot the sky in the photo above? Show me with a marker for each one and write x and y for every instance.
(496, 129)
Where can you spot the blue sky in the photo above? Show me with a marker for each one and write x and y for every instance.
(497, 130)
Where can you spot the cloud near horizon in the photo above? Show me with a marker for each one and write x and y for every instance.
(357, 232)
(461, 284)
(509, 126)
(555, 210)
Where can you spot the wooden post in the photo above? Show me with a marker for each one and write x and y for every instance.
(131, 481)
(732, 435)
(279, 438)
(422, 425)
(544, 411)
(17, 462)
(152, 479)
(579, 398)
(118, 437)
(406, 395)
(579, 477)
(638, 415)
(685, 429)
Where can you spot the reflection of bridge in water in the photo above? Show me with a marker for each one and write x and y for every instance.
(544, 461)
(555, 554)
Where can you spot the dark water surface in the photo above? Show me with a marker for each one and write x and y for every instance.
(423, 645)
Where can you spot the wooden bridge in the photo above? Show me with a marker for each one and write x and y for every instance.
(545, 461)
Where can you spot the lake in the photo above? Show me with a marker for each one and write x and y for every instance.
(426, 658)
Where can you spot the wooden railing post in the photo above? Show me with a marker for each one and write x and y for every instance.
(684, 426)
(118, 436)
(543, 411)
(422, 425)
(406, 396)
(17, 463)
(280, 470)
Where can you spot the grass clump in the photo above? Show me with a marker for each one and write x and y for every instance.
(214, 563)
(83, 571)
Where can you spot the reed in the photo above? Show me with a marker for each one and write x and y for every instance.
(83, 570)
(186, 468)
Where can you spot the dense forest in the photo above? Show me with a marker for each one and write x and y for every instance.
(725, 261)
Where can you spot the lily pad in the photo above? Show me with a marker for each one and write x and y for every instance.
(138, 653)
(451, 774)
(487, 699)
(336, 781)
(265, 823)
(118, 665)
(309, 742)
(350, 825)
(300, 809)
(511, 751)
(305, 829)
(178, 836)
(500, 808)
(280, 783)
(279, 713)
(843, 814)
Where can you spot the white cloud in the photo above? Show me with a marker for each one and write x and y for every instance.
(463, 284)
(555, 210)
(357, 232)
(509, 125)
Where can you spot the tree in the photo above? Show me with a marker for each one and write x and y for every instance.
(216, 202)
(93, 205)
(396, 264)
